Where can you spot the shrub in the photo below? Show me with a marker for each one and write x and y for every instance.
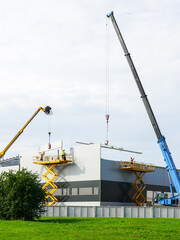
(21, 195)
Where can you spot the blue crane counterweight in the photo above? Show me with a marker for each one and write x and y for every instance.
(170, 166)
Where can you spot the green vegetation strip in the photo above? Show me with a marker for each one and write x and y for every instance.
(90, 228)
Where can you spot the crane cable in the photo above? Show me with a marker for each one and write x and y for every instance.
(49, 131)
(107, 80)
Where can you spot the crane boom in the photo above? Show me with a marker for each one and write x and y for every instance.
(170, 166)
(47, 111)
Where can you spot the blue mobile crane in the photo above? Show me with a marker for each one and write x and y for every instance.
(173, 175)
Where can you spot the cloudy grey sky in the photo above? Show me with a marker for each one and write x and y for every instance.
(54, 53)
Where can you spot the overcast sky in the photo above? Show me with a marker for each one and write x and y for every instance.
(54, 53)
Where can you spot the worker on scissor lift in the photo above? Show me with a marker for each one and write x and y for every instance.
(63, 155)
(41, 157)
(132, 160)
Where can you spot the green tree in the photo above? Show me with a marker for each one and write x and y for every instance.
(21, 195)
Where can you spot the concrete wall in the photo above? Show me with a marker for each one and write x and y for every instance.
(121, 212)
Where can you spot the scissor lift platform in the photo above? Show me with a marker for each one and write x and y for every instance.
(139, 169)
(50, 162)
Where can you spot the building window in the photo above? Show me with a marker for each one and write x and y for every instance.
(149, 196)
(58, 191)
(78, 191)
(74, 191)
(96, 190)
(85, 191)
(65, 191)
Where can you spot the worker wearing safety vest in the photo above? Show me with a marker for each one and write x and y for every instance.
(63, 155)
(132, 160)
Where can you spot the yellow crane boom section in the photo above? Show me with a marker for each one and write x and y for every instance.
(47, 111)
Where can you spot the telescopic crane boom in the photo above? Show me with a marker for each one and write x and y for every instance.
(47, 111)
(170, 166)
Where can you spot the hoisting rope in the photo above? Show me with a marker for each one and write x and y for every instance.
(49, 132)
(107, 79)
(49, 144)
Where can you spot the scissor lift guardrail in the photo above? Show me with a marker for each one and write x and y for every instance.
(50, 162)
(139, 169)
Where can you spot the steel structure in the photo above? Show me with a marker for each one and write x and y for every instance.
(171, 168)
(112, 147)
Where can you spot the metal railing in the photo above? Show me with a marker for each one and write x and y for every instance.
(135, 165)
(38, 158)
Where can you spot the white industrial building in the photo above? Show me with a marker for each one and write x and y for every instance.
(90, 180)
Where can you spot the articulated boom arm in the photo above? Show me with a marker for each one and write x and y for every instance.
(161, 139)
(47, 111)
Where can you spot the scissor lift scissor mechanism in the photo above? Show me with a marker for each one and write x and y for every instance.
(139, 169)
(50, 162)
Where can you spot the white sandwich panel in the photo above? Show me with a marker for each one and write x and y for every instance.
(85, 166)
(54, 145)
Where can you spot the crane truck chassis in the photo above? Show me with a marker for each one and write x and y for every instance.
(160, 198)
(46, 110)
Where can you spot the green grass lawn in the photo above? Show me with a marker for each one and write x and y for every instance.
(90, 228)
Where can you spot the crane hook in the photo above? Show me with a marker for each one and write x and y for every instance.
(107, 121)
(107, 118)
